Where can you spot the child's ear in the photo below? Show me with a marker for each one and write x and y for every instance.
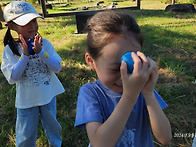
(89, 60)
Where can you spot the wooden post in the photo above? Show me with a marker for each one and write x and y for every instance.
(138, 4)
(1, 14)
(44, 8)
(1, 17)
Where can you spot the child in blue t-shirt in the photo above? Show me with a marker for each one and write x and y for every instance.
(120, 109)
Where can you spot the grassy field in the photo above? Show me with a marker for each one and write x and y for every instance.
(170, 39)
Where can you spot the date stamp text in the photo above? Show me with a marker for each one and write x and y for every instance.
(184, 135)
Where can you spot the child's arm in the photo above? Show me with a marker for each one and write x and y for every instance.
(19, 67)
(52, 63)
(159, 122)
(108, 133)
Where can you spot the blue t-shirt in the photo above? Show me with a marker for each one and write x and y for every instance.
(96, 103)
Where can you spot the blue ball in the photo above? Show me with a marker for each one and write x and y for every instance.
(30, 46)
(129, 60)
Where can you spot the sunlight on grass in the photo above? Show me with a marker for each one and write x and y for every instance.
(150, 4)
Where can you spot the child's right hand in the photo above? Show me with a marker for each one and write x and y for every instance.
(24, 45)
(134, 83)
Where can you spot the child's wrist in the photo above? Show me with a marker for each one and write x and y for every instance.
(23, 56)
(41, 53)
(130, 96)
(148, 94)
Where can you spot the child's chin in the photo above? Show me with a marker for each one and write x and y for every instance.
(118, 89)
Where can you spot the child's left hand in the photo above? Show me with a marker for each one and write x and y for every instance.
(37, 44)
(150, 84)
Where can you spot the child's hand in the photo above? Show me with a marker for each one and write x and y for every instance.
(135, 82)
(37, 44)
(150, 84)
(24, 45)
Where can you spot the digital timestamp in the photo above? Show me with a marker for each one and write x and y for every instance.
(184, 135)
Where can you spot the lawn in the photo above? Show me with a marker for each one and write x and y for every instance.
(170, 39)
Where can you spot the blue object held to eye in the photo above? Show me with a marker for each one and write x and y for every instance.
(30, 46)
(129, 60)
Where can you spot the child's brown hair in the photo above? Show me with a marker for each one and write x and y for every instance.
(107, 25)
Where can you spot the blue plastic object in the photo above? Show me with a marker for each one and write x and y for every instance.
(129, 60)
(30, 46)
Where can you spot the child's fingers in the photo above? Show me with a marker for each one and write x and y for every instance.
(25, 50)
(145, 60)
(37, 40)
(40, 40)
(153, 71)
(137, 62)
(24, 44)
(154, 68)
(21, 45)
(36, 36)
(123, 70)
(152, 64)
(141, 55)
(37, 44)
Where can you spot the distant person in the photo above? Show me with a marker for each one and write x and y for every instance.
(120, 109)
(32, 67)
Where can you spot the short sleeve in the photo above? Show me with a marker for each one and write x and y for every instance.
(88, 107)
(161, 102)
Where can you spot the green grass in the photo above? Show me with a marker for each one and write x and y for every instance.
(169, 39)
(61, 8)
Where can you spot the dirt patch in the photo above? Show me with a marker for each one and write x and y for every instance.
(166, 76)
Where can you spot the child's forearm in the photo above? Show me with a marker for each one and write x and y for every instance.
(159, 123)
(19, 67)
(50, 61)
(110, 131)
